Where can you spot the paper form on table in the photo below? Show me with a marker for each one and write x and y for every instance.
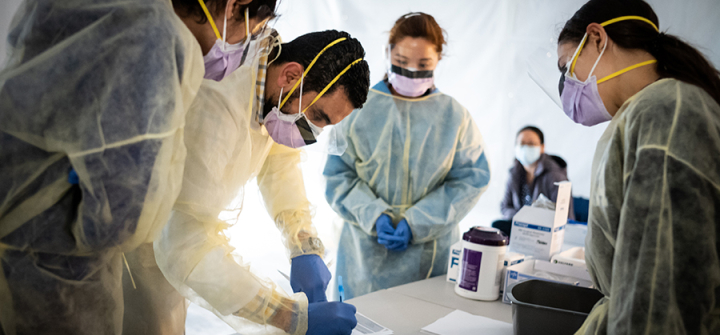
(460, 323)
(366, 326)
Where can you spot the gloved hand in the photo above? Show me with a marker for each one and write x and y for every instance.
(384, 228)
(399, 240)
(402, 231)
(309, 274)
(331, 318)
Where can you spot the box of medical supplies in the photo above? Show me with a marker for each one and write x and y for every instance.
(571, 257)
(544, 270)
(511, 258)
(546, 308)
(454, 262)
(540, 232)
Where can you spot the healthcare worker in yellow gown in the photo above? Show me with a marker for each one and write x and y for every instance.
(241, 127)
(152, 305)
(92, 107)
(414, 167)
(652, 243)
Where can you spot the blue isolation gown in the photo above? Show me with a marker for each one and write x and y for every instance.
(422, 159)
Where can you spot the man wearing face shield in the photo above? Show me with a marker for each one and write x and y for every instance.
(92, 108)
(251, 124)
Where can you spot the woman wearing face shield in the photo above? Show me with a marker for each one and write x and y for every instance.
(92, 107)
(652, 244)
(414, 167)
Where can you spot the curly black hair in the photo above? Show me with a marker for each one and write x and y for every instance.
(303, 49)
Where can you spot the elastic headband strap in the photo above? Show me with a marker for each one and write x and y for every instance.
(577, 55)
(609, 22)
(332, 82)
(630, 17)
(309, 67)
(626, 70)
(212, 22)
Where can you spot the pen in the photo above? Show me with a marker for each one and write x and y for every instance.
(341, 290)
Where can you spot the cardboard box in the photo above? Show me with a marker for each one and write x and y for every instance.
(454, 262)
(539, 232)
(571, 257)
(511, 258)
(543, 270)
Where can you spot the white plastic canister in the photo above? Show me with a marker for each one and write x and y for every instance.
(481, 263)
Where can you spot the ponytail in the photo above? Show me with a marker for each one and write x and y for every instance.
(678, 60)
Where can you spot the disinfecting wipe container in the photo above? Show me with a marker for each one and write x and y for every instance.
(481, 263)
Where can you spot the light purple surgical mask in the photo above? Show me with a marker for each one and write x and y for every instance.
(292, 130)
(581, 100)
(225, 58)
(410, 82)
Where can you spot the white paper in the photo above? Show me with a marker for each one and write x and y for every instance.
(366, 326)
(462, 323)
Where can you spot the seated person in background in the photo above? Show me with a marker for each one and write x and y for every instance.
(534, 173)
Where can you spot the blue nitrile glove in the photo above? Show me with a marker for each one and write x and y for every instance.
(384, 228)
(73, 177)
(403, 236)
(331, 318)
(309, 274)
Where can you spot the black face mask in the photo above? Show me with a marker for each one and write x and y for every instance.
(411, 74)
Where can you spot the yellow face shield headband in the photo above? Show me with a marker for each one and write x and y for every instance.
(630, 68)
(308, 70)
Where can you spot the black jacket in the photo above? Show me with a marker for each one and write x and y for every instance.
(547, 173)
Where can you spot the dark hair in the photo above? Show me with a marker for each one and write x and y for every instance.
(261, 9)
(417, 24)
(303, 50)
(535, 130)
(675, 58)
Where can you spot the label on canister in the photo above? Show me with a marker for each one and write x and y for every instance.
(470, 270)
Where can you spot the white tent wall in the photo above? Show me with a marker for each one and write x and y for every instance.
(483, 67)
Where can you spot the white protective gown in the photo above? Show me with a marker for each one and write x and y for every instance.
(227, 147)
(652, 243)
(421, 159)
(100, 87)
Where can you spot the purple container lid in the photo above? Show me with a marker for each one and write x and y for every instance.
(486, 236)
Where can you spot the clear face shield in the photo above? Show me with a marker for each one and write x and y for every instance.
(330, 141)
(543, 70)
(543, 67)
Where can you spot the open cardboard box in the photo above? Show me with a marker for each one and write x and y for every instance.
(540, 232)
(543, 270)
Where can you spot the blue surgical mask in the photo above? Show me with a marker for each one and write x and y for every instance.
(527, 154)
